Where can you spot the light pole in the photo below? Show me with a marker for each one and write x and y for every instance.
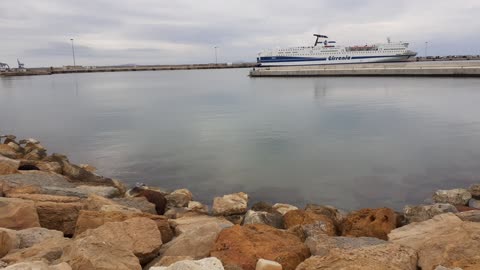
(73, 53)
(216, 59)
(426, 48)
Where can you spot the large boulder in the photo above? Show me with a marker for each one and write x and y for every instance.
(140, 203)
(301, 217)
(139, 235)
(370, 223)
(94, 219)
(231, 204)
(453, 196)
(386, 256)
(8, 166)
(18, 214)
(48, 250)
(420, 213)
(8, 241)
(95, 253)
(45, 197)
(333, 213)
(443, 240)
(260, 217)
(37, 179)
(211, 263)
(190, 222)
(38, 265)
(59, 216)
(243, 245)
(179, 198)
(284, 208)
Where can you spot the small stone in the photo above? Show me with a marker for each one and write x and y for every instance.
(423, 212)
(210, 263)
(283, 208)
(267, 265)
(260, 217)
(169, 260)
(197, 207)
(446, 268)
(232, 204)
(453, 196)
(474, 203)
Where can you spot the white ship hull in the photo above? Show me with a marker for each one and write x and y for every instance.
(325, 53)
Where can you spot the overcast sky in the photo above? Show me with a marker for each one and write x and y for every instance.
(108, 32)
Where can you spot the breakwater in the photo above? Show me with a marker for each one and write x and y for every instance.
(433, 69)
(89, 69)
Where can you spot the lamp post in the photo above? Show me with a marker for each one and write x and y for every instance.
(426, 48)
(216, 58)
(73, 53)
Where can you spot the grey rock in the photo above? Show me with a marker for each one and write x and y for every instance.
(458, 196)
(420, 213)
(263, 207)
(337, 215)
(474, 203)
(179, 198)
(231, 204)
(321, 244)
(36, 178)
(140, 203)
(31, 236)
(81, 191)
(475, 191)
(259, 217)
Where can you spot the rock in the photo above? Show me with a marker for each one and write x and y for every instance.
(104, 191)
(259, 217)
(445, 268)
(283, 208)
(475, 191)
(235, 219)
(94, 219)
(37, 179)
(38, 265)
(93, 253)
(18, 214)
(177, 212)
(301, 217)
(88, 167)
(443, 240)
(140, 203)
(59, 216)
(211, 263)
(336, 215)
(386, 256)
(45, 198)
(8, 241)
(195, 243)
(153, 196)
(473, 203)
(321, 244)
(232, 204)
(268, 265)
(139, 235)
(48, 250)
(453, 196)
(119, 208)
(15, 146)
(369, 222)
(8, 151)
(197, 207)
(35, 154)
(263, 207)
(242, 245)
(473, 215)
(168, 260)
(8, 166)
(189, 223)
(423, 212)
(32, 236)
(120, 186)
(77, 173)
(179, 198)
(44, 166)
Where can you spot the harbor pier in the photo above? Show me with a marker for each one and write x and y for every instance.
(469, 68)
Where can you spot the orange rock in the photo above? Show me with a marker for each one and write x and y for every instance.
(17, 214)
(369, 222)
(58, 216)
(301, 217)
(242, 246)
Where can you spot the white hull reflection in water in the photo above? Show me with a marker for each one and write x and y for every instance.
(349, 142)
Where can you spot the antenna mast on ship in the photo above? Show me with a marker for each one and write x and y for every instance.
(319, 37)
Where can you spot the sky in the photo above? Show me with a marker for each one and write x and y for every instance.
(115, 32)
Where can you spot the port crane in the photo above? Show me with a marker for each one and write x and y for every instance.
(4, 66)
(20, 64)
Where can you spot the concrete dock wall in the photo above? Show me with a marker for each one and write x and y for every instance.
(441, 69)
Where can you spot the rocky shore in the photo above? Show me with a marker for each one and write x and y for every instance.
(55, 215)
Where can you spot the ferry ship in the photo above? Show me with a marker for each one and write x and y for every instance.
(326, 51)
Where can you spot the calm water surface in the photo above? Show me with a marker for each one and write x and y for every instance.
(350, 142)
